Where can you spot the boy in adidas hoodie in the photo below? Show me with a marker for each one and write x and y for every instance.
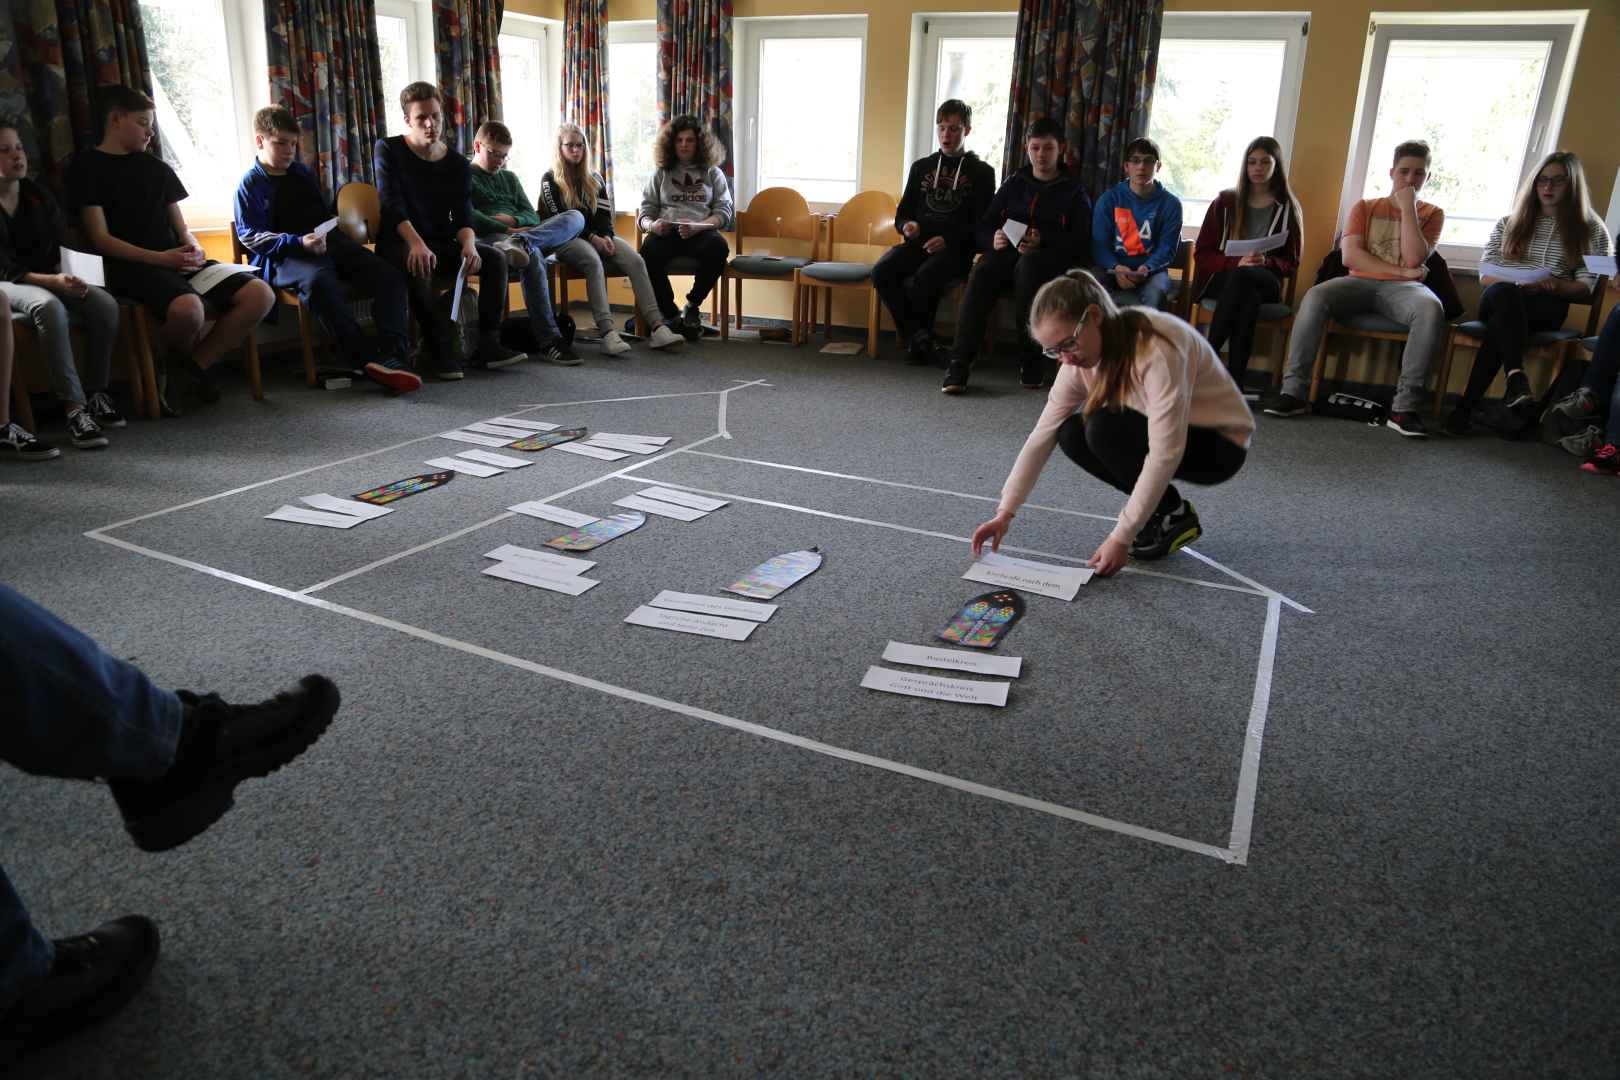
(1136, 230)
(946, 194)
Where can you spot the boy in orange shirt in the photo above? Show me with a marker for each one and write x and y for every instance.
(1385, 244)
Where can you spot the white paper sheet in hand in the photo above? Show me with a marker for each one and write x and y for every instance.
(209, 276)
(477, 439)
(682, 498)
(84, 266)
(953, 659)
(1014, 231)
(962, 691)
(662, 509)
(1059, 581)
(714, 605)
(1519, 275)
(363, 511)
(558, 565)
(691, 623)
(455, 464)
(326, 226)
(1598, 264)
(314, 517)
(590, 451)
(1258, 246)
(455, 302)
(531, 574)
(494, 459)
(547, 512)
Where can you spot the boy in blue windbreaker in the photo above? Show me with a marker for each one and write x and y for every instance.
(1135, 231)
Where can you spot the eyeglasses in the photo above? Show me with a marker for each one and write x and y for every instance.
(1551, 181)
(1068, 345)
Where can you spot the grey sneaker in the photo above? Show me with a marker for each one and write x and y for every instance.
(84, 431)
(1582, 443)
(556, 351)
(1286, 405)
(19, 444)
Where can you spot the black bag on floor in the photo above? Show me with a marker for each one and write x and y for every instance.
(1350, 407)
(517, 332)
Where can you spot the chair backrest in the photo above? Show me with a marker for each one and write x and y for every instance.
(1594, 317)
(359, 212)
(239, 252)
(1184, 263)
(867, 219)
(778, 213)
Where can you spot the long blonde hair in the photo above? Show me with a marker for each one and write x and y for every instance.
(1124, 333)
(579, 188)
(1570, 214)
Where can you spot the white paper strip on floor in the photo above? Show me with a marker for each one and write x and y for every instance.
(1062, 582)
(583, 450)
(477, 439)
(663, 509)
(509, 433)
(643, 449)
(471, 468)
(495, 459)
(953, 659)
(559, 565)
(351, 507)
(656, 440)
(522, 422)
(713, 605)
(690, 623)
(960, 691)
(314, 517)
(529, 574)
(682, 498)
(548, 512)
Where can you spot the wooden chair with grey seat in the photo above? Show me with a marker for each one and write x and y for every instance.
(778, 221)
(862, 226)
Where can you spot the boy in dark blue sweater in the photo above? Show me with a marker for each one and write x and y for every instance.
(1136, 231)
(1037, 226)
(278, 207)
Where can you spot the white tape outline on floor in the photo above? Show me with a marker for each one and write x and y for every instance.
(1236, 853)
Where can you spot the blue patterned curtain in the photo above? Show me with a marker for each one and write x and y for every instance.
(694, 65)
(585, 71)
(325, 68)
(466, 45)
(1092, 63)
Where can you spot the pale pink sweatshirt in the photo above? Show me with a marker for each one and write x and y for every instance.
(1179, 382)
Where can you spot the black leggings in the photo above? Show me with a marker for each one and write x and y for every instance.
(1238, 294)
(710, 250)
(1113, 446)
(492, 285)
(1510, 316)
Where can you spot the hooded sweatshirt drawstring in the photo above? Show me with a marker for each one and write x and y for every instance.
(961, 159)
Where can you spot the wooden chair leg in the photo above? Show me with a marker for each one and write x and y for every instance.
(798, 307)
(725, 309)
(306, 339)
(871, 324)
(1317, 369)
(146, 361)
(737, 307)
(827, 322)
(250, 358)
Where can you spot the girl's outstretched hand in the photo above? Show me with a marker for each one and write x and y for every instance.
(993, 531)
(1110, 557)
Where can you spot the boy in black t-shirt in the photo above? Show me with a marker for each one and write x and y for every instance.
(129, 204)
(278, 208)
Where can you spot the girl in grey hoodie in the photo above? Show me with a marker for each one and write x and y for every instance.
(684, 208)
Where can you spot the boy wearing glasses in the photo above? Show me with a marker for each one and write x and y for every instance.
(502, 216)
(946, 194)
(1135, 231)
(1385, 246)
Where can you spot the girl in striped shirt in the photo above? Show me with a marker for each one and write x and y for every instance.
(1552, 227)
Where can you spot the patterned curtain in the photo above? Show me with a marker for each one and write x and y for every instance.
(694, 65)
(1091, 62)
(325, 68)
(585, 78)
(53, 55)
(466, 44)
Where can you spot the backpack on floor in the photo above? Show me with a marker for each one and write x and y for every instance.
(517, 332)
(465, 330)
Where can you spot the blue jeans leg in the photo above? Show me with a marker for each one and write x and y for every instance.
(1155, 291)
(1603, 374)
(556, 231)
(25, 953)
(537, 296)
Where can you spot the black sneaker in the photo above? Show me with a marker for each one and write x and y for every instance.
(220, 746)
(84, 431)
(16, 444)
(1458, 422)
(1602, 461)
(920, 352)
(956, 378)
(1165, 533)
(492, 354)
(393, 374)
(203, 384)
(103, 411)
(92, 977)
(1032, 372)
(1286, 405)
(1518, 391)
(1409, 424)
(446, 361)
(556, 351)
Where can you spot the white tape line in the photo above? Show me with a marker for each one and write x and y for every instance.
(1249, 775)
(1221, 585)
(1301, 608)
(942, 779)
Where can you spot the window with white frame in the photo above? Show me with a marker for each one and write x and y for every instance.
(632, 108)
(1487, 94)
(405, 48)
(1222, 81)
(968, 58)
(197, 48)
(526, 101)
(786, 134)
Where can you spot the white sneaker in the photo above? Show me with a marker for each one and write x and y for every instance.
(613, 344)
(663, 338)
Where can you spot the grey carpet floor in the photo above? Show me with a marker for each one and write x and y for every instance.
(541, 842)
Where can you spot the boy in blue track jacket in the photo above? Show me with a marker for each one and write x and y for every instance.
(1136, 230)
(278, 206)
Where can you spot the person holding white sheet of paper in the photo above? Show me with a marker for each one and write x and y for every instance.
(128, 202)
(1261, 205)
(1552, 226)
(31, 279)
(1140, 400)
(686, 203)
